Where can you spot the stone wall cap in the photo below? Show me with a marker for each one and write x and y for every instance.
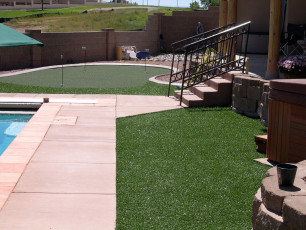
(294, 211)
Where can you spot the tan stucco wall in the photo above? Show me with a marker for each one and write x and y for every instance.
(256, 11)
(296, 13)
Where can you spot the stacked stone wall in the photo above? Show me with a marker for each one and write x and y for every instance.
(280, 208)
(250, 96)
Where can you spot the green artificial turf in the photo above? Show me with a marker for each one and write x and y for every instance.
(105, 76)
(187, 169)
(150, 88)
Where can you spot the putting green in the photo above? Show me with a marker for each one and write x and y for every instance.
(91, 76)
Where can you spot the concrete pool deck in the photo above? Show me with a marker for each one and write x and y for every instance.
(60, 171)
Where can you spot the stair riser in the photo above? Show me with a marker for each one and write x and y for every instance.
(202, 94)
(219, 86)
(228, 76)
(191, 103)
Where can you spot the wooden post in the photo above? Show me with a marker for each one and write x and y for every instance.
(222, 22)
(223, 13)
(232, 11)
(276, 7)
(232, 17)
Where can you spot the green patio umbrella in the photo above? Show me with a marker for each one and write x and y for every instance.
(11, 37)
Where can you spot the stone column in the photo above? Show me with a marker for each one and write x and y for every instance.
(276, 7)
(36, 52)
(110, 44)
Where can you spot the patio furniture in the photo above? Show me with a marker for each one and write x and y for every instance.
(289, 45)
(143, 55)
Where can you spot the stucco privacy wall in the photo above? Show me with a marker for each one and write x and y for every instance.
(15, 57)
(182, 24)
(70, 46)
(148, 38)
(101, 46)
(46, 2)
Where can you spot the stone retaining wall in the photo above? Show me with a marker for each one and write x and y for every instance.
(281, 208)
(250, 96)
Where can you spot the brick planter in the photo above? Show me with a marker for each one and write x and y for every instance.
(282, 208)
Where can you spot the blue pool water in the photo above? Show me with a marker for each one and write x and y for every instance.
(10, 126)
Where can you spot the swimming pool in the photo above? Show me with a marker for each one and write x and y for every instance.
(10, 126)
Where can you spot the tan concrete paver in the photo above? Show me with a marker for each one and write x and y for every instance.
(9, 177)
(83, 110)
(6, 190)
(81, 133)
(11, 151)
(70, 181)
(65, 120)
(101, 121)
(12, 168)
(68, 178)
(18, 159)
(136, 110)
(130, 105)
(3, 198)
(38, 211)
(75, 152)
(139, 100)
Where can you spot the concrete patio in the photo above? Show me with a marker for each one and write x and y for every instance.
(60, 171)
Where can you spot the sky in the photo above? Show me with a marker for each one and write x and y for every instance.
(181, 3)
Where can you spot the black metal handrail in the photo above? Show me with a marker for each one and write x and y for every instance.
(178, 47)
(213, 56)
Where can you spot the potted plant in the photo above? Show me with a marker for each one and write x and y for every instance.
(286, 174)
(293, 66)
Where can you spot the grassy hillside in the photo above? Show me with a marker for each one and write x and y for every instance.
(81, 19)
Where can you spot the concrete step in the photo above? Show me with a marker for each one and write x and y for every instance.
(214, 92)
(203, 91)
(228, 76)
(189, 99)
(220, 84)
(261, 142)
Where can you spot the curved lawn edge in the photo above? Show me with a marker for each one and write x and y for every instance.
(80, 64)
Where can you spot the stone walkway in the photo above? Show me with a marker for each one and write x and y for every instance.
(60, 171)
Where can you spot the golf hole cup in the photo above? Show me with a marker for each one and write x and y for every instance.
(286, 174)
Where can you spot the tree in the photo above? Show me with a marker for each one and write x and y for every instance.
(207, 3)
(194, 5)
